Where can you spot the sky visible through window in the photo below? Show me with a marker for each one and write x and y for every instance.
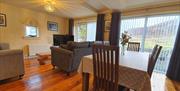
(31, 31)
(85, 31)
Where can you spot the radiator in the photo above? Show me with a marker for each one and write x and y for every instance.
(38, 48)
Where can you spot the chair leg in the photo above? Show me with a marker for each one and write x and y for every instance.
(121, 88)
(53, 67)
(21, 76)
(126, 89)
(68, 74)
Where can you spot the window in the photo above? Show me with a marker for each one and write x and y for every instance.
(151, 30)
(91, 31)
(31, 31)
(161, 30)
(135, 27)
(85, 31)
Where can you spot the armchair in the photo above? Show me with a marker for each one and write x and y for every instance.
(11, 63)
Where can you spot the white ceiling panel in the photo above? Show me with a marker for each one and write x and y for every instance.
(82, 8)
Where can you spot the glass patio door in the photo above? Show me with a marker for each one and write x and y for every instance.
(151, 30)
(161, 30)
(80, 32)
(135, 27)
(85, 31)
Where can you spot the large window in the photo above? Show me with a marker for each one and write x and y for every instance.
(135, 28)
(85, 31)
(151, 30)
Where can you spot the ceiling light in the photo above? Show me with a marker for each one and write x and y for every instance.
(49, 5)
(49, 8)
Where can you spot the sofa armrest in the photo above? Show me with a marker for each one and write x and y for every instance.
(61, 51)
(62, 58)
(10, 52)
(78, 54)
(11, 63)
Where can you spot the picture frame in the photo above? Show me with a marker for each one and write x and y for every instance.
(107, 25)
(3, 20)
(52, 26)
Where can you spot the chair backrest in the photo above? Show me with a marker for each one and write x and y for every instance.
(155, 49)
(153, 58)
(105, 65)
(133, 46)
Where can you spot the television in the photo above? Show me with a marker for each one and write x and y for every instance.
(62, 39)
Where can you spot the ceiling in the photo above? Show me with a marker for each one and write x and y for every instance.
(83, 8)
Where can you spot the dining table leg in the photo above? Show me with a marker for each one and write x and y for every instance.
(85, 85)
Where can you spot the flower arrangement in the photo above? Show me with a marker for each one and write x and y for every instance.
(125, 38)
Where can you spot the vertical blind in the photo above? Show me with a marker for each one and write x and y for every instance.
(151, 30)
(135, 27)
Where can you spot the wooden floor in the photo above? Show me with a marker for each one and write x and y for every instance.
(43, 78)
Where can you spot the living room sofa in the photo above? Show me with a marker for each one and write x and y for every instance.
(11, 62)
(67, 57)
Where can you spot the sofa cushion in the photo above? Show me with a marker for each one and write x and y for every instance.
(82, 44)
(64, 46)
(72, 45)
(91, 43)
(4, 46)
(102, 42)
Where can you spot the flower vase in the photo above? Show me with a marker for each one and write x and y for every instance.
(123, 50)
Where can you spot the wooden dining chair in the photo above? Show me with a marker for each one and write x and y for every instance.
(105, 65)
(133, 46)
(153, 58)
(154, 49)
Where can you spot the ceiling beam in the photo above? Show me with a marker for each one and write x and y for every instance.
(87, 5)
(104, 3)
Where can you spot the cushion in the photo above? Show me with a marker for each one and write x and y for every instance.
(91, 43)
(72, 45)
(102, 42)
(64, 46)
(4, 46)
(82, 44)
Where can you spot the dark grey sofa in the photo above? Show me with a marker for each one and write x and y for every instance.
(68, 57)
(11, 62)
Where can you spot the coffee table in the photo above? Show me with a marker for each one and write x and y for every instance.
(43, 56)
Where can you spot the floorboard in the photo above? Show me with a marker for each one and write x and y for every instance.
(44, 78)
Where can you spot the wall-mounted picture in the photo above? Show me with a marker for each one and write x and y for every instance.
(3, 20)
(52, 26)
(107, 25)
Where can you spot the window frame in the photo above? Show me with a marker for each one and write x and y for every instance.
(76, 26)
(161, 66)
(145, 25)
(29, 37)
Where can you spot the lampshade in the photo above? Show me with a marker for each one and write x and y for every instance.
(49, 8)
(49, 5)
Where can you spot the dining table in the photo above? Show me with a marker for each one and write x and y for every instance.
(132, 71)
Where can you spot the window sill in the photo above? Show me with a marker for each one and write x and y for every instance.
(31, 37)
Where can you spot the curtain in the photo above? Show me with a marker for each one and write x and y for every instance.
(100, 27)
(71, 26)
(115, 29)
(174, 65)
